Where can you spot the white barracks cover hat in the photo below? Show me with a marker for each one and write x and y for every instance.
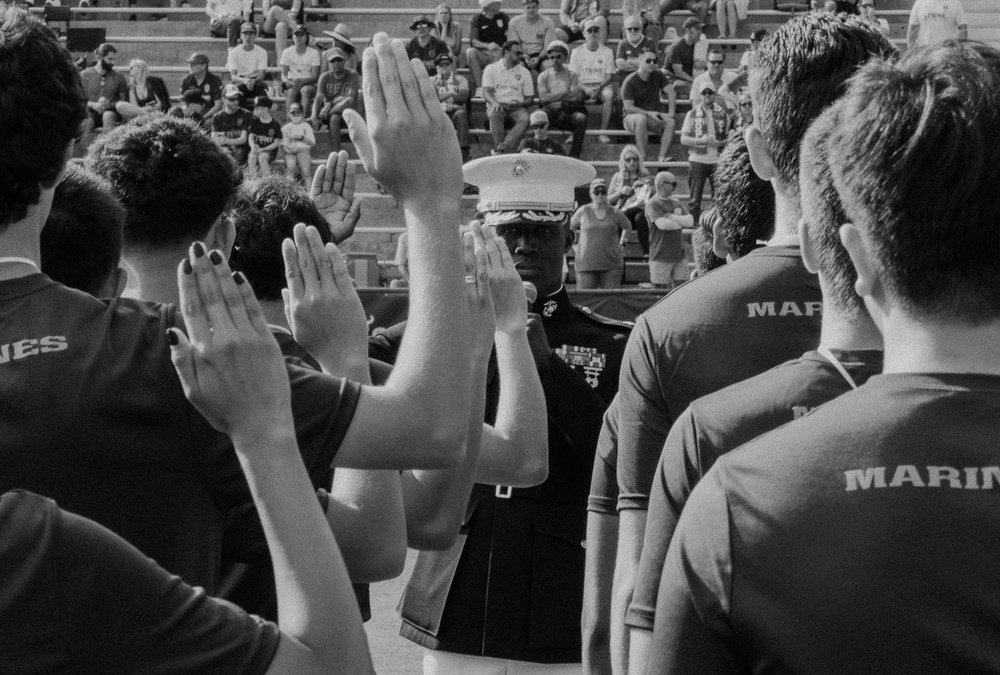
(527, 182)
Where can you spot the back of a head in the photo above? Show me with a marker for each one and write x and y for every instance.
(800, 70)
(82, 238)
(265, 212)
(916, 161)
(745, 201)
(173, 181)
(41, 107)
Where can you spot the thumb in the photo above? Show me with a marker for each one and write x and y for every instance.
(182, 356)
(358, 131)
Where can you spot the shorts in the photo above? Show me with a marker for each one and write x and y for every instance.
(572, 34)
(662, 272)
(270, 154)
(98, 118)
(630, 121)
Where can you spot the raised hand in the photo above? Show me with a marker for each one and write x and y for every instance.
(333, 193)
(229, 363)
(408, 144)
(477, 282)
(506, 288)
(322, 307)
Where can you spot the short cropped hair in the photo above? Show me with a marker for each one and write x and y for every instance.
(173, 181)
(823, 214)
(800, 70)
(917, 165)
(745, 201)
(41, 107)
(82, 238)
(265, 213)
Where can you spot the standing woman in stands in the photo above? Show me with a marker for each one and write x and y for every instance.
(632, 176)
(448, 30)
(146, 94)
(599, 226)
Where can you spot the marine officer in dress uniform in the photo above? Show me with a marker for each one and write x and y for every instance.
(511, 588)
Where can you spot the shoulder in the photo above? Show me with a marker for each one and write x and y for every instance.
(602, 320)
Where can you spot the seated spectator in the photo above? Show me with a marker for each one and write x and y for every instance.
(717, 75)
(453, 92)
(624, 192)
(231, 126)
(104, 87)
(508, 91)
(146, 94)
(667, 220)
(299, 70)
(535, 32)
(264, 137)
(728, 14)
(487, 35)
(191, 107)
(538, 124)
(338, 92)
(574, 14)
(341, 39)
(227, 18)
(424, 46)
(647, 12)
(755, 38)
(705, 131)
(209, 84)
(448, 30)
(599, 227)
(681, 60)
(594, 64)
(631, 47)
(247, 65)
(297, 140)
(82, 238)
(280, 18)
(744, 113)
(698, 7)
(867, 10)
(643, 111)
(561, 97)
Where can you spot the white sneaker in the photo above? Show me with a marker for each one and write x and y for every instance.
(479, 92)
(604, 138)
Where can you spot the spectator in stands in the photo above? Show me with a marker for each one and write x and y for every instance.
(281, 17)
(830, 6)
(299, 70)
(191, 107)
(594, 64)
(227, 17)
(647, 11)
(631, 47)
(487, 35)
(599, 227)
(264, 137)
(535, 32)
(705, 131)
(867, 8)
(667, 220)
(717, 75)
(698, 7)
(208, 83)
(449, 30)
(297, 140)
(402, 263)
(247, 65)
(755, 39)
(632, 176)
(81, 242)
(728, 14)
(341, 39)
(338, 91)
(231, 126)
(933, 21)
(104, 87)
(642, 107)
(539, 141)
(561, 97)
(819, 6)
(680, 61)
(573, 14)
(424, 46)
(508, 91)
(146, 94)
(453, 92)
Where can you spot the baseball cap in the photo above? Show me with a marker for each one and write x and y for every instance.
(759, 34)
(557, 45)
(444, 56)
(232, 92)
(538, 117)
(295, 108)
(707, 86)
(336, 51)
(198, 57)
(422, 20)
(483, 4)
(105, 48)
(598, 182)
(665, 177)
(300, 30)
(248, 27)
(192, 96)
(262, 102)
(691, 22)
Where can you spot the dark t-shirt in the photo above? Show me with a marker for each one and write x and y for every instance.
(232, 124)
(723, 421)
(545, 146)
(645, 94)
(489, 30)
(210, 87)
(681, 53)
(264, 133)
(79, 599)
(861, 538)
(725, 326)
(664, 245)
(427, 54)
(334, 88)
(94, 416)
(112, 86)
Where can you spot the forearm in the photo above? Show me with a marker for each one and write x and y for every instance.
(515, 450)
(638, 649)
(602, 538)
(632, 525)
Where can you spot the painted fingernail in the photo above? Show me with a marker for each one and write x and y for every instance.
(172, 338)
(215, 257)
(199, 250)
(187, 266)
(239, 278)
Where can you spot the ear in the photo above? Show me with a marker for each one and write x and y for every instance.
(810, 255)
(760, 155)
(869, 285)
(120, 277)
(719, 244)
(222, 235)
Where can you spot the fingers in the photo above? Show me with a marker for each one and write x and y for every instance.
(324, 265)
(316, 187)
(307, 263)
(296, 284)
(389, 74)
(183, 359)
(192, 309)
(233, 297)
(428, 94)
(208, 287)
(357, 129)
(341, 277)
(255, 315)
(346, 177)
(334, 170)
(375, 104)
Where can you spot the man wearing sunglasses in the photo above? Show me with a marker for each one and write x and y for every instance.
(508, 89)
(595, 65)
(337, 91)
(630, 49)
(643, 111)
(717, 76)
(561, 97)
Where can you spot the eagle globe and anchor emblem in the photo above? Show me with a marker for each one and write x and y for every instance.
(520, 167)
